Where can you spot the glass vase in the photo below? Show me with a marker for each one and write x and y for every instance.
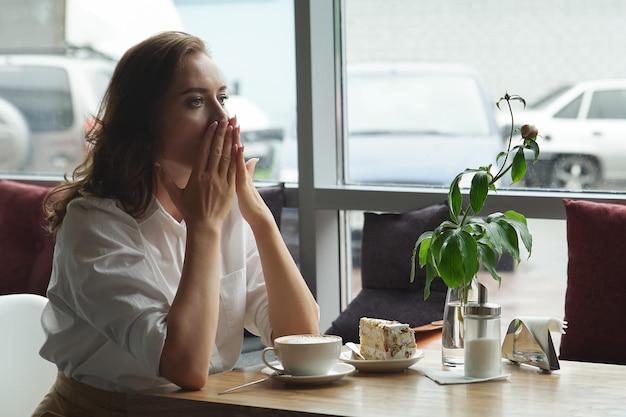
(452, 347)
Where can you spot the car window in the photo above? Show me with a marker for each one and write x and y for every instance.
(409, 103)
(571, 109)
(41, 93)
(549, 98)
(610, 104)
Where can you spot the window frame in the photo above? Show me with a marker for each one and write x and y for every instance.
(321, 195)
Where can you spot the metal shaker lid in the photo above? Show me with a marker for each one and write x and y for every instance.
(482, 309)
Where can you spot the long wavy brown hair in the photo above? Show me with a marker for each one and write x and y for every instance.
(124, 141)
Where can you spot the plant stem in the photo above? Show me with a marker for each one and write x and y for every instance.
(502, 171)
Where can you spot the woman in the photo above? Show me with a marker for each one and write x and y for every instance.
(165, 251)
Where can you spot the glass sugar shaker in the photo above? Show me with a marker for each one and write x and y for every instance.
(483, 351)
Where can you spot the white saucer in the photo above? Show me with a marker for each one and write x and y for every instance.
(337, 372)
(380, 366)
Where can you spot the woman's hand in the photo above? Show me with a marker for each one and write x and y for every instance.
(204, 203)
(207, 197)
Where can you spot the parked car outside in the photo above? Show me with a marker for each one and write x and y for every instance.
(582, 135)
(417, 122)
(57, 94)
(14, 137)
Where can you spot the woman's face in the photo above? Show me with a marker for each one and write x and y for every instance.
(194, 100)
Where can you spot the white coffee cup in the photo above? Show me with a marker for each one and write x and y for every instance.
(305, 354)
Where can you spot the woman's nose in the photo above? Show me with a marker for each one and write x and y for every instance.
(219, 113)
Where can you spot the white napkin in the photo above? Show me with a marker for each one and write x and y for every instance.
(456, 376)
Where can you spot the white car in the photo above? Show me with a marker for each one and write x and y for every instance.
(412, 123)
(582, 132)
(57, 95)
(418, 122)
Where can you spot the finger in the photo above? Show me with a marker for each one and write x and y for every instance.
(236, 130)
(251, 166)
(217, 146)
(240, 162)
(205, 148)
(232, 168)
(227, 153)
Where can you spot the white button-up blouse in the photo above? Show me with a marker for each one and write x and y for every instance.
(113, 280)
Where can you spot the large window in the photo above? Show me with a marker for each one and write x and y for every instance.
(360, 105)
(400, 156)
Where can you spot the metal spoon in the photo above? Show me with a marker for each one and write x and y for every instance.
(250, 383)
(355, 350)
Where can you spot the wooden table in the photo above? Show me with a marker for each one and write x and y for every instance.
(577, 389)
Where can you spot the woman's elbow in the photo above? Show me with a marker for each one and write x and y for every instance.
(190, 379)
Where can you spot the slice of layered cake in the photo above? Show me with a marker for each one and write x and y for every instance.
(386, 339)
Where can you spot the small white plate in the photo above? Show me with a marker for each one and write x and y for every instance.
(381, 366)
(337, 372)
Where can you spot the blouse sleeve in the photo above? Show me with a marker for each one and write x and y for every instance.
(108, 280)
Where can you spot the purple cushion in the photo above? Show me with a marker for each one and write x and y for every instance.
(25, 246)
(388, 241)
(387, 247)
(596, 283)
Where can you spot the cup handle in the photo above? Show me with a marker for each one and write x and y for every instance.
(266, 362)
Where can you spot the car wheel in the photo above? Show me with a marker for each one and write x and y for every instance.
(14, 138)
(575, 173)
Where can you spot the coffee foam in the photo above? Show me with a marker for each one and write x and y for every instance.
(306, 339)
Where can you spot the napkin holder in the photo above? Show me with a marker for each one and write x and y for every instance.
(528, 341)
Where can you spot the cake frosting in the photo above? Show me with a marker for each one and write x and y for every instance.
(386, 339)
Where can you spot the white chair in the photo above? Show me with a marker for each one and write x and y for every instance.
(25, 377)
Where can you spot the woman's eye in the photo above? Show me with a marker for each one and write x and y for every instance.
(222, 99)
(196, 102)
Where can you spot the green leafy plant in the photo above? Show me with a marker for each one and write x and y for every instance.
(455, 250)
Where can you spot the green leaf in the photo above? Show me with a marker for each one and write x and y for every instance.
(533, 146)
(518, 169)
(495, 235)
(479, 190)
(509, 238)
(514, 215)
(457, 257)
(518, 98)
(518, 221)
(489, 261)
(423, 243)
(455, 199)
(430, 276)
